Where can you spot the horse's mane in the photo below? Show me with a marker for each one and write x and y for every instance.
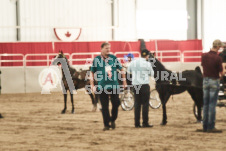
(157, 67)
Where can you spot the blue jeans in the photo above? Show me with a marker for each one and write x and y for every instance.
(210, 97)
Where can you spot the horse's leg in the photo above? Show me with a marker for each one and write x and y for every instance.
(93, 101)
(199, 120)
(93, 98)
(72, 103)
(65, 104)
(197, 96)
(97, 101)
(164, 101)
(164, 96)
(164, 118)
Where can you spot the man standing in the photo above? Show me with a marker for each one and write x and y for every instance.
(212, 67)
(105, 68)
(141, 69)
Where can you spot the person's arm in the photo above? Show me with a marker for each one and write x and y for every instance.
(123, 78)
(123, 73)
(224, 68)
(202, 59)
(150, 69)
(129, 69)
(221, 70)
(92, 71)
(93, 88)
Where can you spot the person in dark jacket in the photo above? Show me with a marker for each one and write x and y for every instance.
(212, 68)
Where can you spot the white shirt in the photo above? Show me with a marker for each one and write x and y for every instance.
(141, 71)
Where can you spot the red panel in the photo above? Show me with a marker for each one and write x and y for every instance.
(26, 47)
(76, 47)
(167, 45)
(190, 45)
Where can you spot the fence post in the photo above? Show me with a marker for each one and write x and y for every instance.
(182, 57)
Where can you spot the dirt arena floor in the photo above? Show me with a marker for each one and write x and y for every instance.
(34, 122)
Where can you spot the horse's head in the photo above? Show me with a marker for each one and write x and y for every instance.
(156, 64)
(59, 56)
(152, 58)
(152, 55)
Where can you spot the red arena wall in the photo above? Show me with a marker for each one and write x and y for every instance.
(158, 46)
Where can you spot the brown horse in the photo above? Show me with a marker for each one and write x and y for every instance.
(79, 81)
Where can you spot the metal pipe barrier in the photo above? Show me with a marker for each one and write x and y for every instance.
(184, 55)
(47, 60)
(160, 55)
(2, 60)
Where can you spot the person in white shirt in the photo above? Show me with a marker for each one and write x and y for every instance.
(141, 71)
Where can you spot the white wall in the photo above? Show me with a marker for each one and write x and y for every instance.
(125, 20)
(27, 78)
(162, 19)
(12, 80)
(7, 18)
(214, 25)
(94, 16)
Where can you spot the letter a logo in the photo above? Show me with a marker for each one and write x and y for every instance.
(48, 78)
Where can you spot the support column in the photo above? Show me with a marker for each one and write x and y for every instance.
(192, 19)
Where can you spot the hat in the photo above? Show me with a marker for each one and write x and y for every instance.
(144, 52)
(130, 55)
(217, 42)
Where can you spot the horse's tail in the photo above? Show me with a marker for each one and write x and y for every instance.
(197, 69)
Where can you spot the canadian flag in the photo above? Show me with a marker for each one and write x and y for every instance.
(67, 34)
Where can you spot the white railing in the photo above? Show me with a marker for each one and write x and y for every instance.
(183, 56)
(47, 60)
(2, 60)
(85, 59)
(76, 57)
(160, 55)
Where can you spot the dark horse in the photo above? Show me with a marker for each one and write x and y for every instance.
(79, 81)
(169, 83)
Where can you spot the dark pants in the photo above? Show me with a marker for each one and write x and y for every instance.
(104, 99)
(142, 95)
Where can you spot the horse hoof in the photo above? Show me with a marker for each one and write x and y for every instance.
(99, 107)
(63, 112)
(94, 108)
(72, 112)
(199, 121)
(1, 116)
(163, 123)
